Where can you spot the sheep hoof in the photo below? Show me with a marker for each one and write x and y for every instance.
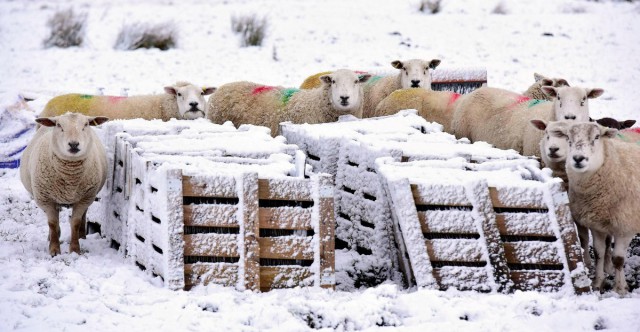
(74, 248)
(622, 290)
(54, 250)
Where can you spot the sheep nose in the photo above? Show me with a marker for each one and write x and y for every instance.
(415, 83)
(193, 104)
(344, 99)
(73, 146)
(578, 159)
(553, 150)
(569, 117)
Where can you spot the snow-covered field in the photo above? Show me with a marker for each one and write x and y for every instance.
(591, 44)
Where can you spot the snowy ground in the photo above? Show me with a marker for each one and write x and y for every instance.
(589, 44)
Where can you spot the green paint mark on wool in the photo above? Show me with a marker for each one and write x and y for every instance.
(86, 96)
(373, 79)
(288, 93)
(535, 102)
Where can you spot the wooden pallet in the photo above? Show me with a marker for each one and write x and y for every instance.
(472, 236)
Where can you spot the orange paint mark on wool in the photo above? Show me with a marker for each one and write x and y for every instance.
(262, 89)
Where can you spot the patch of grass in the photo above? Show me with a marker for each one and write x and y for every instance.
(67, 29)
(251, 29)
(138, 35)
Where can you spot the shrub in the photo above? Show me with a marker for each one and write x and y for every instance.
(144, 35)
(430, 6)
(251, 29)
(67, 29)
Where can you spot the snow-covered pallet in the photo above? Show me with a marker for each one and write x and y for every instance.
(230, 227)
(484, 227)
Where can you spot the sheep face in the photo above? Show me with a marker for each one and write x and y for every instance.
(72, 138)
(586, 146)
(554, 145)
(190, 99)
(415, 73)
(345, 89)
(571, 103)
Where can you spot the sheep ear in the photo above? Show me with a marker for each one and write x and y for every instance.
(537, 77)
(562, 82)
(434, 63)
(208, 90)
(397, 64)
(608, 122)
(608, 132)
(47, 122)
(326, 79)
(546, 82)
(594, 93)
(539, 124)
(170, 90)
(627, 124)
(364, 77)
(550, 91)
(98, 120)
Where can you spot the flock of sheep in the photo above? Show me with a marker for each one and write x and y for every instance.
(65, 164)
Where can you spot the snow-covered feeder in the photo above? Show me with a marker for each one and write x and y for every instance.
(455, 79)
(495, 226)
(216, 205)
(17, 127)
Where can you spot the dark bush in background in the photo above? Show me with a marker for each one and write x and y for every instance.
(143, 35)
(67, 29)
(251, 29)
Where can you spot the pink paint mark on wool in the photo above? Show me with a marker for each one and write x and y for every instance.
(632, 130)
(261, 89)
(115, 99)
(453, 98)
(518, 100)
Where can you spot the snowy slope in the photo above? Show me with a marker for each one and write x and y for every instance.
(590, 44)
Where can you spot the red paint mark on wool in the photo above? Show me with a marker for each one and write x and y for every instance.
(632, 130)
(115, 99)
(453, 98)
(261, 89)
(522, 99)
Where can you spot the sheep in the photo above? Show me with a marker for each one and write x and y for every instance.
(65, 164)
(501, 117)
(601, 199)
(434, 106)
(180, 101)
(535, 90)
(631, 135)
(413, 73)
(252, 103)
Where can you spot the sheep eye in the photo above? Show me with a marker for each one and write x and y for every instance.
(356, 82)
(582, 103)
(202, 93)
(179, 94)
(333, 81)
(560, 104)
(597, 137)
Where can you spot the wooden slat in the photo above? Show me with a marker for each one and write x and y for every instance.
(175, 241)
(211, 215)
(288, 247)
(460, 222)
(215, 245)
(462, 278)
(532, 252)
(192, 188)
(210, 273)
(285, 218)
(290, 189)
(498, 197)
(250, 230)
(524, 227)
(272, 277)
(537, 280)
(455, 250)
(454, 192)
(326, 231)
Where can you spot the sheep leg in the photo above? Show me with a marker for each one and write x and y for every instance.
(54, 228)
(583, 235)
(79, 210)
(83, 225)
(608, 263)
(619, 254)
(599, 244)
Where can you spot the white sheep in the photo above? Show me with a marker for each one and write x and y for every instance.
(535, 90)
(502, 118)
(603, 192)
(252, 103)
(65, 164)
(180, 101)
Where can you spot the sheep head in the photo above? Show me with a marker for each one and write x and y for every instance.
(571, 103)
(415, 73)
(345, 89)
(586, 145)
(190, 99)
(72, 138)
(554, 145)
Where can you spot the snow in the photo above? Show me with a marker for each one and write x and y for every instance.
(588, 43)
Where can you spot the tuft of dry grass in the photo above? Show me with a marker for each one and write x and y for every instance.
(251, 29)
(67, 29)
(133, 36)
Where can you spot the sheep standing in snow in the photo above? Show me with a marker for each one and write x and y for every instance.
(603, 192)
(413, 73)
(434, 106)
(251, 103)
(65, 164)
(180, 101)
(535, 90)
(502, 118)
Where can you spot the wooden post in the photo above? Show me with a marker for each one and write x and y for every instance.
(249, 230)
(174, 275)
(326, 230)
(478, 193)
(569, 238)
